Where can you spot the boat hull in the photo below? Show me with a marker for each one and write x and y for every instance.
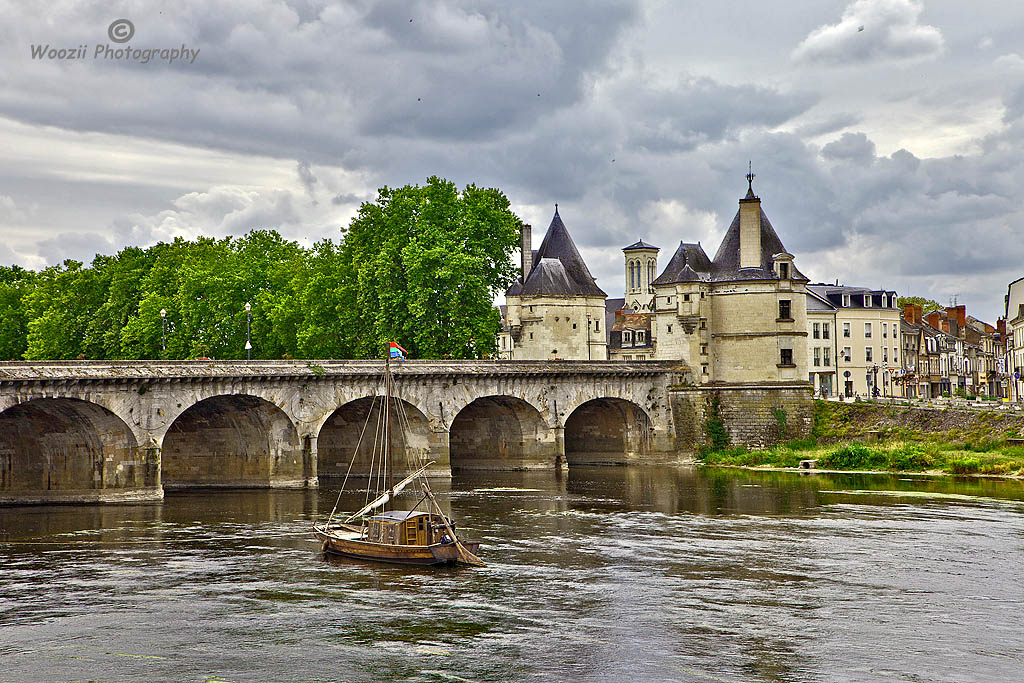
(345, 540)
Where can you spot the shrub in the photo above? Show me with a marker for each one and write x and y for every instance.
(910, 457)
(964, 465)
(854, 456)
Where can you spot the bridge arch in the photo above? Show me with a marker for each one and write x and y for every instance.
(72, 450)
(233, 440)
(339, 437)
(607, 430)
(500, 432)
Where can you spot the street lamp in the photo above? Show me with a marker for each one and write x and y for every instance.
(248, 328)
(163, 333)
(874, 388)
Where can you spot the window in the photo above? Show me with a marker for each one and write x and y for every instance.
(817, 356)
(867, 330)
(531, 335)
(686, 297)
(867, 353)
(703, 349)
(824, 330)
(670, 329)
(704, 369)
(846, 300)
(784, 312)
(885, 331)
(817, 330)
(703, 324)
(574, 326)
(847, 354)
(885, 355)
(867, 301)
(783, 271)
(640, 336)
(828, 356)
(894, 330)
(846, 330)
(597, 326)
(785, 356)
(885, 301)
(627, 336)
(668, 299)
(894, 359)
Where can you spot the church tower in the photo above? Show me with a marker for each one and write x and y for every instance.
(641, 270)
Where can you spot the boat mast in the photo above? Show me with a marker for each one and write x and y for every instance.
(387, 425)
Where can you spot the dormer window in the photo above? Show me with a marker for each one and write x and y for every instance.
(846, 300)
(640, 337)
(783, 271)
(867, 301)
(885, 301)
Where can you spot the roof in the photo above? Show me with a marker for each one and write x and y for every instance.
(398, 515)
(640, 244)
(816, 303)
(688, 264)
(558, 269)
(835, 293)
(726, 264)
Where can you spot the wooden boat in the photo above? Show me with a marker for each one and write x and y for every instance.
(416, 536)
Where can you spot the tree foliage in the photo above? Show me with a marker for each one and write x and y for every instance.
(927, 305)
(421, 266)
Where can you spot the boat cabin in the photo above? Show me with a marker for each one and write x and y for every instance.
(406, 527)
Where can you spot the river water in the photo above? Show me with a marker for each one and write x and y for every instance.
(598, 574)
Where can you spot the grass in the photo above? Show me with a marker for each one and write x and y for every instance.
(905, 456)
(836, 444)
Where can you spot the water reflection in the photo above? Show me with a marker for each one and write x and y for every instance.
(594, 574)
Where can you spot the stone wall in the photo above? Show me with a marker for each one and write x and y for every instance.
(753, 415)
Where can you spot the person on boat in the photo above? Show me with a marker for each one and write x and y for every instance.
(446, 539)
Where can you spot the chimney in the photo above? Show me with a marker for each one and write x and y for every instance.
(1001, 328)
(945, 326)
(750, 229)
(932, 319)
(526, 245)
(912, 313)
(958, 313)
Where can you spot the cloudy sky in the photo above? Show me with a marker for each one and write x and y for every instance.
(887, 135)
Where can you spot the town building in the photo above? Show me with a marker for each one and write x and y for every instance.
(868, 329)
(821, 345)
(1014, 301)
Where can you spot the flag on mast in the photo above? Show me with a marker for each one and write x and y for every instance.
(397, 351)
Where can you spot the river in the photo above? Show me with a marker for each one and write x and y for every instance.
(597, 574)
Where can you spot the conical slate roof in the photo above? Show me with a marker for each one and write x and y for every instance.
(726, 265)
(688, 264)
(568, 277)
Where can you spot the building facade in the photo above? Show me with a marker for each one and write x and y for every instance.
(1015, 339)
(821, 345)
(868, 338)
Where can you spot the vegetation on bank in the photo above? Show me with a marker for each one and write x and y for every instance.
(420, 265)
(884, 438)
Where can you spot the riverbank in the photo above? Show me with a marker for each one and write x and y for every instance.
(862, 437)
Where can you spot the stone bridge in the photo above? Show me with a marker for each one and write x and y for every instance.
(73, 431)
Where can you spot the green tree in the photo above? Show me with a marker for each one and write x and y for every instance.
(927, 305)
(60, 307)
(15, 284)
(422, 266)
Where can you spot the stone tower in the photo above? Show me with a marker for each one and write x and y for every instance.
(641, 270)
(556, 310)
